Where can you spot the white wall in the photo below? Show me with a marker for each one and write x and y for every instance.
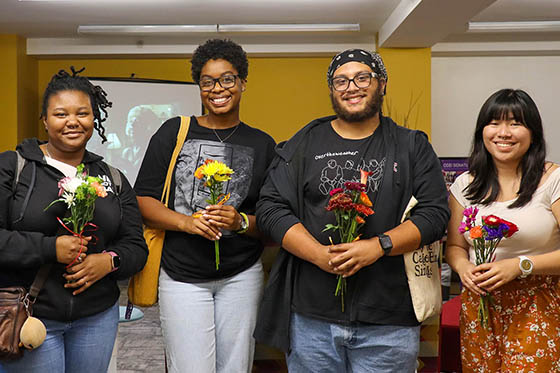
(460, 85)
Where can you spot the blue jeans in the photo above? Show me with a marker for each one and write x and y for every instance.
(208, 326)
(321, 346)
(84, 345)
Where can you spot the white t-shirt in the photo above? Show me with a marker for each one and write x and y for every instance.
(66, 169)
(538, 229)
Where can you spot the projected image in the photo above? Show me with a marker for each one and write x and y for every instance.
(139, 109)
(142, 122)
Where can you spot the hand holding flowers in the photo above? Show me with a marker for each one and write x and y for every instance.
(486, 238)
(351, 205)
(214, 173)
(79, 194)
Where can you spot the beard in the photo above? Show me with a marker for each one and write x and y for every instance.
(373, 106)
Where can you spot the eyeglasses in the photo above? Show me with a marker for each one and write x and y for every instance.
(226, 81)
(362, 80)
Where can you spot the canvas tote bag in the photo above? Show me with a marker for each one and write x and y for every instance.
(423, 275)
(143, 286)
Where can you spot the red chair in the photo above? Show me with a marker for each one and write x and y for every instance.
(449, 359)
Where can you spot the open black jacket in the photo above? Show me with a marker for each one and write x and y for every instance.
(28, 234)
(412, 169)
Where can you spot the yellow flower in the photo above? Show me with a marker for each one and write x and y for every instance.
(216, 169)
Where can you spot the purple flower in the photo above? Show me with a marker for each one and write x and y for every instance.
(493, 233)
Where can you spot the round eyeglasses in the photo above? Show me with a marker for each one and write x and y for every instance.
(225, 81)
(362, 80)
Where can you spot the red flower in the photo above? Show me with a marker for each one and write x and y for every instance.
(352, 185)
(340, 201)
(512, 228)
(360, 220)
(364, 210)
(492, 220)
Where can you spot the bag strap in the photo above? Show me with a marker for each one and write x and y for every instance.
(39, 281)
(20, 164)
(116, 178)
(181, 136)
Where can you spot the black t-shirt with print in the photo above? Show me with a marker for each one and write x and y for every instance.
(248, 151)
(330, 161)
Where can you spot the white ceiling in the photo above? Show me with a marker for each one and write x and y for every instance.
(398, 23)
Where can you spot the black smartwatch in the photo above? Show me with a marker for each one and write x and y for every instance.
(386, 243)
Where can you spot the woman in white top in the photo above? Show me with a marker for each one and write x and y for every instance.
(509, 177)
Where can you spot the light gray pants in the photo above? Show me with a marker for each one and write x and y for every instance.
(208, 327)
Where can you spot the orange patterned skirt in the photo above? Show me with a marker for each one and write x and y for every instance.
(523, 333)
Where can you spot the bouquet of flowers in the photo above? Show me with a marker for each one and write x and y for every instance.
(214, 173)
(350, 205)
(486, 238)
(79, 194)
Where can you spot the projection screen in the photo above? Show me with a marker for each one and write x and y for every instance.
(139, 108)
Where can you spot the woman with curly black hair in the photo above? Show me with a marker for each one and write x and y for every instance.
(208, 314)
(78, 303)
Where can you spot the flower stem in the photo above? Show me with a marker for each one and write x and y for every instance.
(217, 251)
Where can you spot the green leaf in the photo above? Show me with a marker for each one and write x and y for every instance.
(331, 227)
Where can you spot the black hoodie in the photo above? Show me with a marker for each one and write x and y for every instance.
(381, 295)
(28, 242)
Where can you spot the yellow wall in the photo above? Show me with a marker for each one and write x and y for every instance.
(27, 93)
(18, 79)
(8, 93)
(282, 95)
(409, 72)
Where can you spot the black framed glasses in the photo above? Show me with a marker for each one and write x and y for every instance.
(226, 81)
(362, 80)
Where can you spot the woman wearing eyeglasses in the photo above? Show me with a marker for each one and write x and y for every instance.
(208, 314)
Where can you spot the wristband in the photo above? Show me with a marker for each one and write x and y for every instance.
(244, 223)
(115, 260)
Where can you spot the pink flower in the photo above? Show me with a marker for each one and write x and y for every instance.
(463, 227)
(336, 191)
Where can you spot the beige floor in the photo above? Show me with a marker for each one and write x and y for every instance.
(140, 346)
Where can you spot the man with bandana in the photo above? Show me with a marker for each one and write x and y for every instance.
(377, 330)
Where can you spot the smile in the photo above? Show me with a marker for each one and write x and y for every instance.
(504, 144)
(220, 100)
(354, 99)
(73, 134)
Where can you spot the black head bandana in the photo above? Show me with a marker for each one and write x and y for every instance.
(372, 60)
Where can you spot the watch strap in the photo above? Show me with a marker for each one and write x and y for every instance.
(385, 243)
(113, 255)
(525, 271)
(244, 223)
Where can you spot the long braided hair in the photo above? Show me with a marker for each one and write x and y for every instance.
(64, 81)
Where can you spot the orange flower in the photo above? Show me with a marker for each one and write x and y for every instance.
(360, 220)
(364, 176)
(364, 210)
(476, 232)
(365, 199)
(198, 173)
(99, 189)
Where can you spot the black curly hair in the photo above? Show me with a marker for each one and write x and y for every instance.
(224, 49)
(64, 81)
